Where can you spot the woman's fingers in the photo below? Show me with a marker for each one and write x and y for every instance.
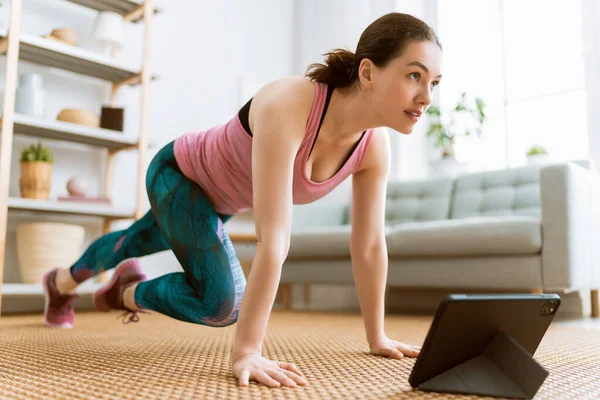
(394, 353)
(263, 377)
(408, 350)
(282, 377)
(292, 375)
(290, 367)
(245, 378)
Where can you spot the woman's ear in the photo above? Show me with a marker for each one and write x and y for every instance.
(365, 73)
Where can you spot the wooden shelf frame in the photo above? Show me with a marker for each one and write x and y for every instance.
(130, 10)
(19, 46)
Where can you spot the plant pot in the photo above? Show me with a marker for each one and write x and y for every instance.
(36, 179)
(538, 159)
(45, 245)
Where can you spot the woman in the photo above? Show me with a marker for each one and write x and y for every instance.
(268, 158)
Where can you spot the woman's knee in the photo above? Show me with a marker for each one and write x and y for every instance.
(224, 311)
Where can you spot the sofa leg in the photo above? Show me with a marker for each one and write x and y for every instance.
(537, 291)
(595, 304)
(286, 294)
(306, 294)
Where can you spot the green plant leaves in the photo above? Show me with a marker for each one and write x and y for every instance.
(36, 152)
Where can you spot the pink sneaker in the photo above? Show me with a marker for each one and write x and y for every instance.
(58, 310)
(110, 297)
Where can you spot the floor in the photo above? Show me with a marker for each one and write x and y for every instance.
(587, 322)
(161, 358)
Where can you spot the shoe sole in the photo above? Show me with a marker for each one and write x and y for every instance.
(99, 301)
(64, 325)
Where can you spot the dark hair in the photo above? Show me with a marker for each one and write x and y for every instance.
(382, 41)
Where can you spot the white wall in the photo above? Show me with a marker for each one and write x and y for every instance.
(200, 52)
(591, 35)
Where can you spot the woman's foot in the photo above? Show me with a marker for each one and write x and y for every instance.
(128, 274)
(58, 310)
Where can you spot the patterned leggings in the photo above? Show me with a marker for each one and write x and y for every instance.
(182, 219)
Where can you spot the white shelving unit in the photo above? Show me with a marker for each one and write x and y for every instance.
(75, 133)
(68, 207)
(123, 7)
(51, 53)
(22, 46)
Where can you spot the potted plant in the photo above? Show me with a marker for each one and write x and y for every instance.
(537, 155)
(36, 172)
(462, 120)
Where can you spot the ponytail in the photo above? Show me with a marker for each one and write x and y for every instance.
(384, 39)
(340, 69)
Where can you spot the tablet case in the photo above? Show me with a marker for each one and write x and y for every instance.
(504, 369)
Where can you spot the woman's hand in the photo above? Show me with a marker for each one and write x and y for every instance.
(391, 348)
(271, 373)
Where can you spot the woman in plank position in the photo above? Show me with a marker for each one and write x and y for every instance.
(292, 143)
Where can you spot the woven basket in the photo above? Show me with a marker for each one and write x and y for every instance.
(36, 179)
(45, 245)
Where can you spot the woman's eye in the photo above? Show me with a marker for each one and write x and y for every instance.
(415, 74)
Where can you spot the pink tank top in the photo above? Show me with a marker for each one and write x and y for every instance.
(219, 159)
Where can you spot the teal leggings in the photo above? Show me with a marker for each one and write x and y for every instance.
(182, 219)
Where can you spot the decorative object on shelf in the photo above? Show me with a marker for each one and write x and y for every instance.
(78, 192)
(29, 98)
(462, 120)
(79, 116)
(109, 33)
(112, 118)
(78, 186)
(45, 245)
(537, 155)
(63, 35)
(36, 172)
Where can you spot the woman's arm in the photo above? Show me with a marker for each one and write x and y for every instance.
(367, 242)
(279, 125)
(368, 246)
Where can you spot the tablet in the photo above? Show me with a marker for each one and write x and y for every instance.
(465, 325)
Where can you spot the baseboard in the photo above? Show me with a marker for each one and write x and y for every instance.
(331, 298)
(574, 304)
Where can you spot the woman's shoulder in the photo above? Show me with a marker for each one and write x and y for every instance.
(289, 91)
(291, 98)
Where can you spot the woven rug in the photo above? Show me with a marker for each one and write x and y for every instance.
(162, 358)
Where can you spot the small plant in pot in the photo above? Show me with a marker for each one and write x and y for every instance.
(463, 119)
(36, 172)
(537, 155)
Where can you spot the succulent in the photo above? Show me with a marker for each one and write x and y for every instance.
(537, 149)
(36, 152)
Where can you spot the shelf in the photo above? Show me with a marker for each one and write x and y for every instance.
(52, 53)
(96, 210)
(36, 289)
(119, 6)
(76, 133)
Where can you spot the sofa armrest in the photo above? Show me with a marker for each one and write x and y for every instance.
(317, 215)
(570, 201)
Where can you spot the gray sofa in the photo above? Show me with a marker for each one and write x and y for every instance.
(534, 228)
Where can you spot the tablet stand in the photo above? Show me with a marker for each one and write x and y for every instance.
(504, 369)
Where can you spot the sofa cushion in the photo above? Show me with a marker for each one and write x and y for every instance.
(418, 200)
(327, 241)
(466, 237)
(514, 191)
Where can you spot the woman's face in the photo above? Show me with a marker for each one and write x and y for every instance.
(402, 91)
